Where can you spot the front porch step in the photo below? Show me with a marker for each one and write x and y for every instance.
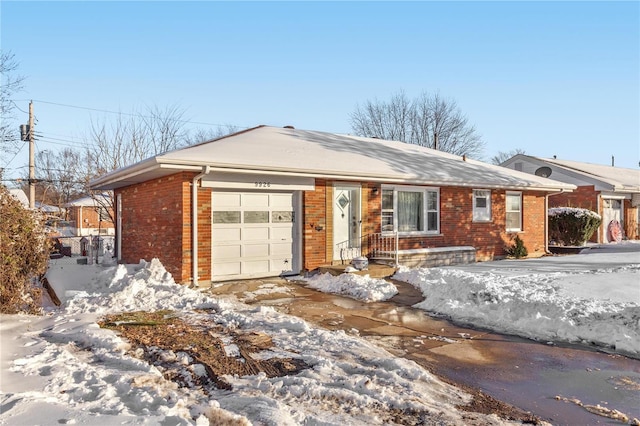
(374, 270)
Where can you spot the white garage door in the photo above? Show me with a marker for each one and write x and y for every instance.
(252, 234)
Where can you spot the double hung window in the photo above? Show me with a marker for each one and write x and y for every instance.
(410, 210)
(514, 211)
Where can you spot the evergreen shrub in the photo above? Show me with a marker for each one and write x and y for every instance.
(517, 249)
(572, 226)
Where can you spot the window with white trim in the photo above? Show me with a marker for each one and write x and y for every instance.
(481, 205)
(514, 211)
(410, 210)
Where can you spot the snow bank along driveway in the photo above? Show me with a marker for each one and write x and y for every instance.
(64, 368)
(591, 298)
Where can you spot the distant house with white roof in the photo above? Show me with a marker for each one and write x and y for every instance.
(612, 192)
(269, 201)
(89, 216)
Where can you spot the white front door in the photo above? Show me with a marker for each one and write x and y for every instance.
(611, 210)
(253, 235)
(346, 221)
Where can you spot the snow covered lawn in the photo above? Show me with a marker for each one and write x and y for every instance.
(63, 368)
(591, 298)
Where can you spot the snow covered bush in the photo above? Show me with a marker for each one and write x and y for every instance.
(24, 253)
(572, 226)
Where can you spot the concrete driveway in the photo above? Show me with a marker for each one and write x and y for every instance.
(520, 372)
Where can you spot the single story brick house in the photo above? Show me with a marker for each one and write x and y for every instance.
(612, 192)
(90, 217)
(272, 201)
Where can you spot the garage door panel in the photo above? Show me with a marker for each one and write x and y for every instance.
(226, 268)
(225, 234)
(226, 252)
(285, 234)
(255, 267)
(252, 234)
(281, 249)
(281, 200)
(255, 200)
(256, 250)
(226, 199)
(281, 265)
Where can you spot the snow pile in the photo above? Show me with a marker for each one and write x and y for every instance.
(148, 287)
(358, 287)
(531, 305)
(63, 368)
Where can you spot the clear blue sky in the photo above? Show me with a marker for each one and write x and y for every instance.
(551, 78)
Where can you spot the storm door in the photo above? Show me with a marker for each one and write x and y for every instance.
(346, 222)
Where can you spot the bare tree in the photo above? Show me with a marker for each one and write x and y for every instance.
(10, 84)
(503, 156)
(131, 138)
(202, 135)
(428, 120)
(59, 175)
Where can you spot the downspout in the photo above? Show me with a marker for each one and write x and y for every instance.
(194, 225)
(546, 219)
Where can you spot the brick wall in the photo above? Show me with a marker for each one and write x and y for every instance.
(316, 227)
(156, 222)
(456, 224)
(584, 197)
(204, 234)
(457, 227)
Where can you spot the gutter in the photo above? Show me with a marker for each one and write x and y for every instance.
(194, 224)
(546, 219)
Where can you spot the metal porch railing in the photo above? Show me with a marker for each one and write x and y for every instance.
(377, 246)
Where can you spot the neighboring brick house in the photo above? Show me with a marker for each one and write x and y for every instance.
(90, 217)
(612, 192)
(274, 201)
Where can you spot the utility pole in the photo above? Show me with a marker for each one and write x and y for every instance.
(32, 161)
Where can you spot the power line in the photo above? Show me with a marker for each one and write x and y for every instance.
(14, 157)
(135, 115)
(36, 180)
(64, 142)
(18, 108)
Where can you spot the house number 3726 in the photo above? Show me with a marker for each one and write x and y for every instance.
(262, 184)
